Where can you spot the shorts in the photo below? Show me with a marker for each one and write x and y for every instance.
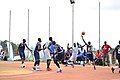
(81, 58)
(59, 56)
(73, 58)
(90, 57)
(36, 55)
(22, 55)
(47, 54)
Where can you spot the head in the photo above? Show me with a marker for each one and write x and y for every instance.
(119, 42)
(78, 44)
(105, 42)
(50, 38)
(39, 39)
(97, 51)
(74, 45)
(89, 43)
(1, 50)
(24, 40)
(68, 44)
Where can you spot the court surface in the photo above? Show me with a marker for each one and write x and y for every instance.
(10, 70)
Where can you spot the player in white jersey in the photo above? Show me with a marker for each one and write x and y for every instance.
(73, 58)
(47, 53)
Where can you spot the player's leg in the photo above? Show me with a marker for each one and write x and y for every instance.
(22, 56)
(116, 67)
(48, 64)
(119, 64)
(57, 64)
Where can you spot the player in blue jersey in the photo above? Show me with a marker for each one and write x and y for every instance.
(21, 49)
(117, 51)
(36, 55)
(56, 51)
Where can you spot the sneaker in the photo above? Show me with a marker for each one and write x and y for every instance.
(66, 65)
(108, 65)
(72, 66)
(37, 68)
(34, 68)
(112, 70)
(94, 67)
(22, 66)
(49, 69)
(83, 65)
(59, 71)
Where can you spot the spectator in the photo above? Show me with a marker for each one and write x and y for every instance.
(105, 50)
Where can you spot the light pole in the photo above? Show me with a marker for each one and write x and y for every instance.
(99, 26)
(9, 34)
(28, 27)
(28, 34)
(49, 21)
(72, 2)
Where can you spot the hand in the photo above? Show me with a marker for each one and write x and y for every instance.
(81, 35)
(31, 51)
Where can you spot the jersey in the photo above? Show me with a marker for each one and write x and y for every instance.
(117, 49)
(81, 52)
(89, 49)
(52, 48)
(21, 47)
(38, 46)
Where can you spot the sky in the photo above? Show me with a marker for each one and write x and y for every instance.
(86, 18)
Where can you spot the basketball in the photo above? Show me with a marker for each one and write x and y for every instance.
(83, 33)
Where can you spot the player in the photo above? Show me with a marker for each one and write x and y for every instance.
(36, 55)
(21, 49)
(117, 51)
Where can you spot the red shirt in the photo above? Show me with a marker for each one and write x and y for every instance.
(106, 49)
(98, 55)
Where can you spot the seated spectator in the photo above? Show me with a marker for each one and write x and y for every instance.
(98, 58)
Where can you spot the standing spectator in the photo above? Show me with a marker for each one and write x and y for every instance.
(21, 49)
(105, 49)
(117, 51)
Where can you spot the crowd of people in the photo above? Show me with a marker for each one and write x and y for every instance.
(73, 55)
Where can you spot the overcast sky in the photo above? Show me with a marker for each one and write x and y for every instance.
(86, 18)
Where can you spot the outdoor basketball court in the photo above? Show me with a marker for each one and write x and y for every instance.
(12, 71)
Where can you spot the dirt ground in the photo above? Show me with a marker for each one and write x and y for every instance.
(12, 71)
